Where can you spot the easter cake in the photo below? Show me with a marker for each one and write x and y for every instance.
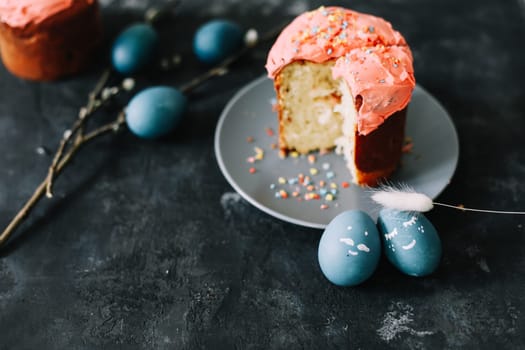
(343, 79)
(48, 39)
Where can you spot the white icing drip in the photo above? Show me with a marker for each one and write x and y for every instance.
(348, 241)
(410, 222)
(409, 245)
(390, 235)
(363, 248)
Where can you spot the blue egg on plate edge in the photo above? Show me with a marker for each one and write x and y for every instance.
(216, 40)
(134, 48)
(155, 111)
(410, 241)
(349, 249)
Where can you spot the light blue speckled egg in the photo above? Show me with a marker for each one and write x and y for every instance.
(349, 249)
(155, 111)
(216, 40)
(134, 48)
(410, 242)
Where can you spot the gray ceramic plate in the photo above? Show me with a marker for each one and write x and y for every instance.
(249, 115)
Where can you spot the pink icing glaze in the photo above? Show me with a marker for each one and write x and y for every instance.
(369, 55)
(19, 13)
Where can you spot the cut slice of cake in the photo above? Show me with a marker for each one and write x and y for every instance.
(343, 79)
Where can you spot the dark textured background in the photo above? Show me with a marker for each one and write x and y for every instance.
(146, 246)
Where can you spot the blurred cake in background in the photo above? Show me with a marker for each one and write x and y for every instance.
(48, 39)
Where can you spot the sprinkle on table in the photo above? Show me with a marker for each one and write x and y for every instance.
(302, 187)
(306, 180)
(407, 148)
(259, 153)
(408, 145)
(283, 194)
(293, 181)
(305, 188)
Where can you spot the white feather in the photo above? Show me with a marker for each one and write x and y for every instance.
(402, 199)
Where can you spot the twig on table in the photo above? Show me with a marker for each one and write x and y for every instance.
(77, 128)
(96, 99)
(61, 164)
(222, 68)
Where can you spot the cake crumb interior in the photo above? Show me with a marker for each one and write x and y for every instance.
(310, 118)
(317, 112)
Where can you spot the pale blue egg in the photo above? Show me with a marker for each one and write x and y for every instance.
(155, 111)
(134, 48)
(216, 40)
(410, 242)
(349, 249)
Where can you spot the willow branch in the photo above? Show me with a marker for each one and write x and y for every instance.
(66, 158)
(222, 67)
(77, 128)
(67, 149)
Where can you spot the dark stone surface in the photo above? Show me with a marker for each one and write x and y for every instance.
(146, 246)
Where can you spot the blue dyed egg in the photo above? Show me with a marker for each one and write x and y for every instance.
(155, 111)
(410, 242)
(349, 249)
(134, 48)
(216, 40)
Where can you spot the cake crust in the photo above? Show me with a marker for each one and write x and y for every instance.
(377, 154)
